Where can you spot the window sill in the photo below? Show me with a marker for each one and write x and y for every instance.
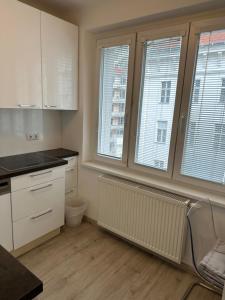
(172, 187)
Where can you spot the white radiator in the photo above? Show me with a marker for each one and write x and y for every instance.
(151, 218)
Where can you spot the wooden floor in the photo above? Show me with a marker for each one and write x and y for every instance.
(88, 264)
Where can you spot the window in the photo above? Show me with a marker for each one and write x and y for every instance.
(222, 93)
(177, 127)
(154, 124)
(219, 137)
(159, 164)
(196, 90)
(207, 160)
(114, 70)
(161, 132)
(165, 93)
(118, 107)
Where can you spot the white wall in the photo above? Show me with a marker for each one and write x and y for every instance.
(15, 124)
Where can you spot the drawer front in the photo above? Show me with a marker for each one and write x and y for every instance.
(32, 228)
(40, 198)
(32, 179)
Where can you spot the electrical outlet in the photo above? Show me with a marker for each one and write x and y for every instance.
(33, 136)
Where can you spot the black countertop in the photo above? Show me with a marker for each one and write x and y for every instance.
(60, 153)
(16, 281)
(16, 165)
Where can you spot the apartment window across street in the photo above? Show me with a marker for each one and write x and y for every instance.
(165, 93)
(222, 94)
(219, 137)
(192, 133)
(196, 91)
(159, 164)
(161, 131)
(185, 139)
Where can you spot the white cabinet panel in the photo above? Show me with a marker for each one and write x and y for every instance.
(5, 222)
(71, 174)
(20, 56)
(35, 200)
(71, 196)
(59, 63)
(71, 180)
(35, 178)
(37, 212)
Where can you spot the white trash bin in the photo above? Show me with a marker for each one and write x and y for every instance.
(75, 212)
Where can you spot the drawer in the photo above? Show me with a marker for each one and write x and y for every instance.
(70, 197)
(30, 202)
(33, 227)
(35, 178)
(72, 162)
(71, 179)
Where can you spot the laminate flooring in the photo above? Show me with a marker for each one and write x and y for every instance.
(86, 263)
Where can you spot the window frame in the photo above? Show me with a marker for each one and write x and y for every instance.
(130, 40)
(196, 29)
(176, 30)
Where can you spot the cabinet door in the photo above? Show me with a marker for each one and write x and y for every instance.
(59, 63)
(20, 56)
(6, 223)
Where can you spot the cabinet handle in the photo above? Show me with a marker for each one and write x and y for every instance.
(27, 105)
(44, 173)
(41, 188)
(42, 214)
(50, 106)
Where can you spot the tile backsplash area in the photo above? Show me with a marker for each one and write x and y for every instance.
(15, 125)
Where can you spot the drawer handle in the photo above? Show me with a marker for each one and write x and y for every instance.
(44, 173)
(41, 188)
(42, 214)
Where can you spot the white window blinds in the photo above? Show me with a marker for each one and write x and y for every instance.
(112, 102)
(159, 85)
(204, 146)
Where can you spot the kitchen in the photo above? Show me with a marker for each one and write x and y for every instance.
(39, 80)
(106, 106)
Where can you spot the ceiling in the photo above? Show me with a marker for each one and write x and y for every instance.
(59, 4)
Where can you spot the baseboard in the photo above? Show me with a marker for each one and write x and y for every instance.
(28, 247)
(90, 220)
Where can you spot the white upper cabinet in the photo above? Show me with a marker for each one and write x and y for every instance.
(20, 56)
(59, 63)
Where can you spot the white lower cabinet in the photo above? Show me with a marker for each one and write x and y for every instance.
(71, 179)
(5, 222)
(37, 210)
